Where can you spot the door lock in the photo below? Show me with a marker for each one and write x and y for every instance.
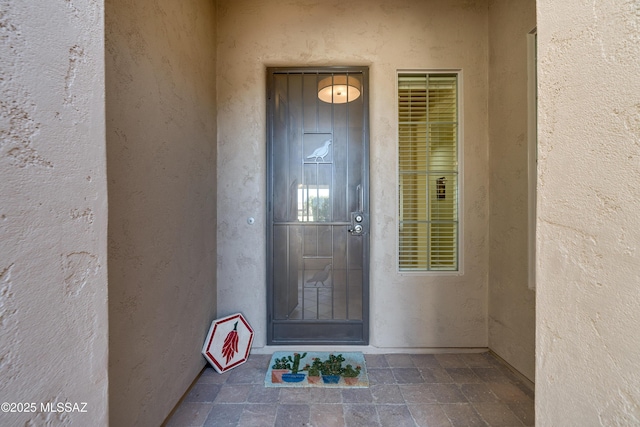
(357, 223)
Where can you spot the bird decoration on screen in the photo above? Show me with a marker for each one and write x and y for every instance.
(321, 276)
(320, 152)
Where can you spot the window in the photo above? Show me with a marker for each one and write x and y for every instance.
(428, 175)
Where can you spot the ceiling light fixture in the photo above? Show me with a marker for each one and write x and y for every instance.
(339, 89)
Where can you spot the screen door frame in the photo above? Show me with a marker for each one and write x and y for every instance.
(319, 331)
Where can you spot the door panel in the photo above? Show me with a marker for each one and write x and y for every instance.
(318, 210)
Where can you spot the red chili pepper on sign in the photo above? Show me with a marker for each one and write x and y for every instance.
(230, 346)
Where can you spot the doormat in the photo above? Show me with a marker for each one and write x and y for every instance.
(317, 369)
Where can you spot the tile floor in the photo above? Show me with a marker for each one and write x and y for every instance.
(472, 389)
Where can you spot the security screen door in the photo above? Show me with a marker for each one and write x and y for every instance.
(318, 206)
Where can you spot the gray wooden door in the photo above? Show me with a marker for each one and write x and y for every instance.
(318, 207)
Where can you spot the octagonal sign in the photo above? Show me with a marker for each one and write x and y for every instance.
(228, 342)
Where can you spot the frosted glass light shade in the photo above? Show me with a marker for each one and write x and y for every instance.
(339, 89)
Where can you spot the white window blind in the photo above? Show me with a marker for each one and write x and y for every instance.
(428, 172)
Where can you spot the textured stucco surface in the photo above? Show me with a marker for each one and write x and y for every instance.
(588, 298)
(406, 311)
(161, 132)
(53, 211)
(511, 302)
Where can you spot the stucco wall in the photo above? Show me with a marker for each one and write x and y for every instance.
(161, 133)
(511, 302)
(406, 311)
(588, 298)
(53, 211)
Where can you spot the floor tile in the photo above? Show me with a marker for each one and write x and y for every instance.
(375, 361)
(361, 415)
(478, 393)
(381, 376)
(476, 360)
(247, 375)
(258, 415)
(327, 395)
(395, 415)
(463, 375)
(202, 393)
(407, 375)
(448, 360)
(425, 361)
(491, 375)
(258, 360)
(211, 376)
(466, 389)
(295, 395)
(400, 360)
(261, 394)
(190, 414)
(386, 394)
(357, 395)
(508, 373)
(435, 375)
(463, 415)
(525, 412)
(526, 389)
(509, 393)
(224, 415)
(310, 395)
(292, 415)
(447, 393)
(497, 414)
(233, 393)
(326, 415)
(417, 394)
(491, 359)
(429, 415)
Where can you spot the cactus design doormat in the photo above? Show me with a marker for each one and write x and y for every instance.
(317, 369)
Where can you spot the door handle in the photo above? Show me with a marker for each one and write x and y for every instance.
(357, 223)
(357, 229)
(358, 218)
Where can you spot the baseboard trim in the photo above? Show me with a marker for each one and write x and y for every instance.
(175, 408)
(368, 349)
(526, 381)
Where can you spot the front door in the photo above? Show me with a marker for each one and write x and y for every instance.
(318, 206)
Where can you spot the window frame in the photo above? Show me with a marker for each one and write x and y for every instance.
(460, 176)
